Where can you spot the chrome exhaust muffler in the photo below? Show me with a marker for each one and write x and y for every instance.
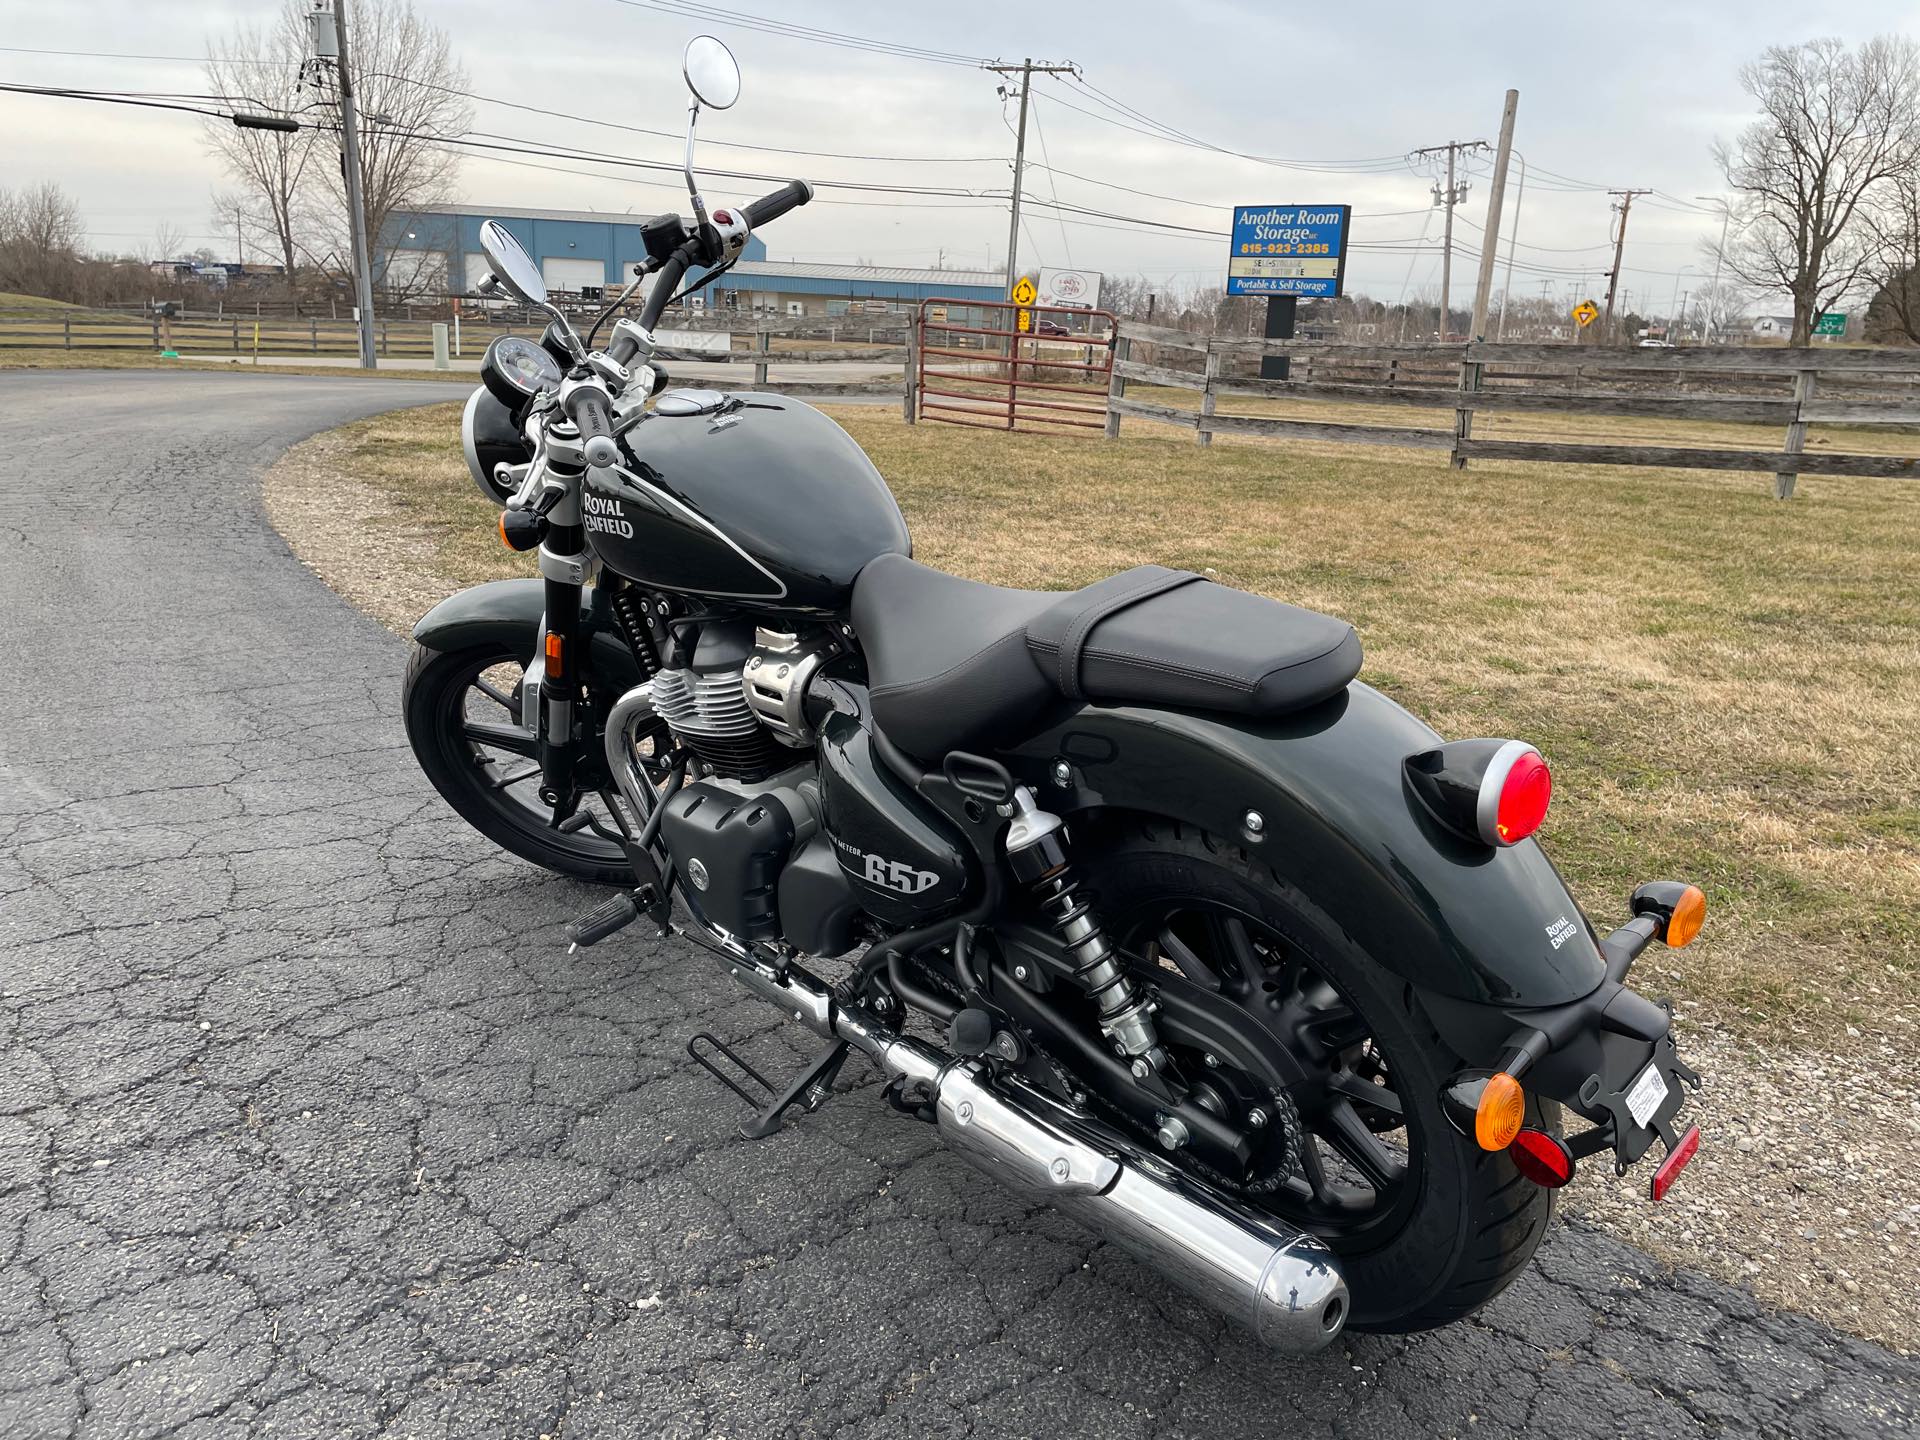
(1282, 1284)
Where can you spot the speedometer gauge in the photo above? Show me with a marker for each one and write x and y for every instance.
(516, 369)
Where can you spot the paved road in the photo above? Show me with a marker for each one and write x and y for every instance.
(310, 1127)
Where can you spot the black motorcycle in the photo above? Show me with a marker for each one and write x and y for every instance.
(1231, 957)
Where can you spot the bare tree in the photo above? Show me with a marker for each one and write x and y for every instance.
(258, 68)
(1894, 311)
(1839, 128)
(1717, 308)
(409, 90)
(41, 233)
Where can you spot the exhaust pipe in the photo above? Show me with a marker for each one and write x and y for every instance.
(1282, 1284)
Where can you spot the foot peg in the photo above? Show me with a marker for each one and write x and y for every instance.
(809, 1089)
(601, 921)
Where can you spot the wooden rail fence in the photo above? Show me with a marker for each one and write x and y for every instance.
(1792, 388)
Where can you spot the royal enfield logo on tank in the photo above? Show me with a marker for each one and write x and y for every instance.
(605, 517)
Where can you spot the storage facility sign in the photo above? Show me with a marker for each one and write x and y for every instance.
(1288, 250)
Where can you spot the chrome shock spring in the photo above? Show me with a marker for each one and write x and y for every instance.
(1037, 850)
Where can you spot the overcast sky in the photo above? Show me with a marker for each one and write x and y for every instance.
(1629, 95)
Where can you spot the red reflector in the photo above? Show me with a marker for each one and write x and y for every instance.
(1675, 1162)
(1543, 1159)
(1523, 798)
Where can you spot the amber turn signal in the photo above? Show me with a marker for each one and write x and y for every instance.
(1678, 909)
(556, 658)
(1689, 914)
(1500, 1113)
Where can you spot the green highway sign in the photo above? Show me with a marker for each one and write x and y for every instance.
(1831, 322)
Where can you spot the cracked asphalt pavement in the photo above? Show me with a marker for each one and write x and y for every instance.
(309, 1126)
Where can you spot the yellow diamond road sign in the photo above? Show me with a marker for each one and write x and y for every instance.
(1586, 312)
(1024, 292)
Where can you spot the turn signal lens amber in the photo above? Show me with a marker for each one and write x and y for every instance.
(556, 658)
(1689, 914)
(501, 526)
(1502, 1109)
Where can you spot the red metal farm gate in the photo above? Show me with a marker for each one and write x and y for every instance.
(1018, 367)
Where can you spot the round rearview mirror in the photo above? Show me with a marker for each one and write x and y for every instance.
(512, 264)
(713, 75)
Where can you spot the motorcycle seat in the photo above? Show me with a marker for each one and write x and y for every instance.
(952, 663)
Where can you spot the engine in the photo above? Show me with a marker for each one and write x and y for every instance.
(739, 706)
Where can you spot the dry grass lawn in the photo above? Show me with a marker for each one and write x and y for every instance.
(1728, 686)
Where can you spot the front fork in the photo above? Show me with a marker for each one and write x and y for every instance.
(564, 565)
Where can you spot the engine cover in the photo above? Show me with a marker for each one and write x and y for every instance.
(729, 850)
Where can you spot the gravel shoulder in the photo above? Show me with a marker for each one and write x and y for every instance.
(1804, 1190)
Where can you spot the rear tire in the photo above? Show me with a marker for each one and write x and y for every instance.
(1468, 1222)
(436, 690)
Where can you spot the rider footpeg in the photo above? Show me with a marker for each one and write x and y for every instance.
(604, 919)
(809, 1089)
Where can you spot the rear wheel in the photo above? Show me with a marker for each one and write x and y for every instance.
(460, 720)
(1428, 1226)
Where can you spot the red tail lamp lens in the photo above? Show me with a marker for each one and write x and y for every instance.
(1542, 1158)
(1524, 797)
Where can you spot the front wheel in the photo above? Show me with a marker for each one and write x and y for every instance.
(1428, 1226)
(460, 719)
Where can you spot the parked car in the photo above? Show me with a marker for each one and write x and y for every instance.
(1052, 329)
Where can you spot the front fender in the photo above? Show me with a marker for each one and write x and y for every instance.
(1339, 821)
(510, 611)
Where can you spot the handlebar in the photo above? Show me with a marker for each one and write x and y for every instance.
(790, 196)
(586, 405)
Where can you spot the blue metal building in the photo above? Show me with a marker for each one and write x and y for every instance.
(577, 248)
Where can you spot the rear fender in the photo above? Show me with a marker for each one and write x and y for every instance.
(510, 611)
(1490, 927)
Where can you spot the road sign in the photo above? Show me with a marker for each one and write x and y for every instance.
(1586, 312)
(1024, 292)
(1831, 322)
(1288, 250)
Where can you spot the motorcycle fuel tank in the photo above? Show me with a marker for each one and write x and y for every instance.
(742, 497)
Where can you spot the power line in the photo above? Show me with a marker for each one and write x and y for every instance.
(785, 29)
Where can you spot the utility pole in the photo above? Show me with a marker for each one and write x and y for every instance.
(1490, 236)
(1513, 244)
(1483, 285)
(1026, 70)
(1619, 246)
(1454, 195)
(1726, 217)
(329, 32)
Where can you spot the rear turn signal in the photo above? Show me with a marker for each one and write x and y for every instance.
(1502, 1109)
(1680, 910)
(1494, 791)
(1542, 1158)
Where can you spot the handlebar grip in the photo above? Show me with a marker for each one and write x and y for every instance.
(790, 196)
(586, 406)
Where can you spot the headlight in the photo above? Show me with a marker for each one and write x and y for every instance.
(488, 437)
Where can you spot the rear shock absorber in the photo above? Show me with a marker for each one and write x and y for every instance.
(1037, 850)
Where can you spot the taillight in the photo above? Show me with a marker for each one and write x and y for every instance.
(1521, 802)
(1542, 1158)
(1494, 791)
